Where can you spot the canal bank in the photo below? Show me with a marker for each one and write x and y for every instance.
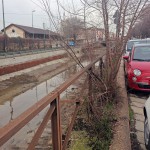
(17, 65)
(30, 80)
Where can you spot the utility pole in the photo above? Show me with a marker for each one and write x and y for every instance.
(33, 30)
(44, 33)
(116, 21)
(32, 21)
(3, 17)
(4, 25)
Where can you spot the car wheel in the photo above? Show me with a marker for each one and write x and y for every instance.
(146, 134)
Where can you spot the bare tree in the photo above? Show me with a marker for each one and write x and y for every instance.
(127, 14)
(71, 27)
(141, 28)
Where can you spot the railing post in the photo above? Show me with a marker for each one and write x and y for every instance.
(56, 126)
(90, 86)
(71, 126)
(101, 67)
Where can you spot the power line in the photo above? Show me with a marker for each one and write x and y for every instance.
(22, 14)
(45, 16)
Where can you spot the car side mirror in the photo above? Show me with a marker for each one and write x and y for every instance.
(126, 57)
(129, 49)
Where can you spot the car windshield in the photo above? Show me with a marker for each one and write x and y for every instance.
(142, 53)
(131, 43)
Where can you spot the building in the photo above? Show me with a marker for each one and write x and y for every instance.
(14, 30)
(112, 35)
(91, 34)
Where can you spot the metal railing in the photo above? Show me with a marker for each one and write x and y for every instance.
(52, 99)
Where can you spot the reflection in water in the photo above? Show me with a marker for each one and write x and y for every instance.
(13, 108)
(36, 93)
(46, 87)
(11, 111)
(25, 100)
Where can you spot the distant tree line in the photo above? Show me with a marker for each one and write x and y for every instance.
(142, 27)
(70, 27)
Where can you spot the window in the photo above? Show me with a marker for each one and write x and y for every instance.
(13, 30)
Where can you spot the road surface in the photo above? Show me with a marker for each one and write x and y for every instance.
(138, 100)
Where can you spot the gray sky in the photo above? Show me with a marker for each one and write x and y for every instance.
(20, 12)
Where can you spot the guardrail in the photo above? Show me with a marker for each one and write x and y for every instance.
(52, 99)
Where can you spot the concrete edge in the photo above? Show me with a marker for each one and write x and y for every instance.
(121, 139)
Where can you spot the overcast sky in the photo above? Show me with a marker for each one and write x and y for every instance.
(20, 12)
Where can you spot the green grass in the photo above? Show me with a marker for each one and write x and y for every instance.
(80, 141)
(131, 116)
(131, 113)
(103, 130)
(95, 134)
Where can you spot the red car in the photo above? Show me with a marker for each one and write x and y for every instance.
(137, 67)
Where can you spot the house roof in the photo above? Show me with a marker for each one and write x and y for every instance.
(32, 30)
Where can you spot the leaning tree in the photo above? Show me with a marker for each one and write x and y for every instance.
(118, 16)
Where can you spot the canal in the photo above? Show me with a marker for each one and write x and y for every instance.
(12, 108)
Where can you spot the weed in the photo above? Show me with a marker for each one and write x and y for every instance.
(131, 115)
(80, 141)
(99, 131)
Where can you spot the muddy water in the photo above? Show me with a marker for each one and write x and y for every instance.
(13, 108)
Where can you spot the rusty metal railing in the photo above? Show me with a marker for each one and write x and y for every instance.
(53, 113)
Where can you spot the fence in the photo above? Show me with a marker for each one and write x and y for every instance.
(18, 44)
(52, 99)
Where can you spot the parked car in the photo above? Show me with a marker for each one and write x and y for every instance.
(146, 111)
(137, 67)
(130, 44)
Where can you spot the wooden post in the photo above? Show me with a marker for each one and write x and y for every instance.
(90, 86)
(101, 67)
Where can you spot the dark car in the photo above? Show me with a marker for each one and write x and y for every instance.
(130, 44)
